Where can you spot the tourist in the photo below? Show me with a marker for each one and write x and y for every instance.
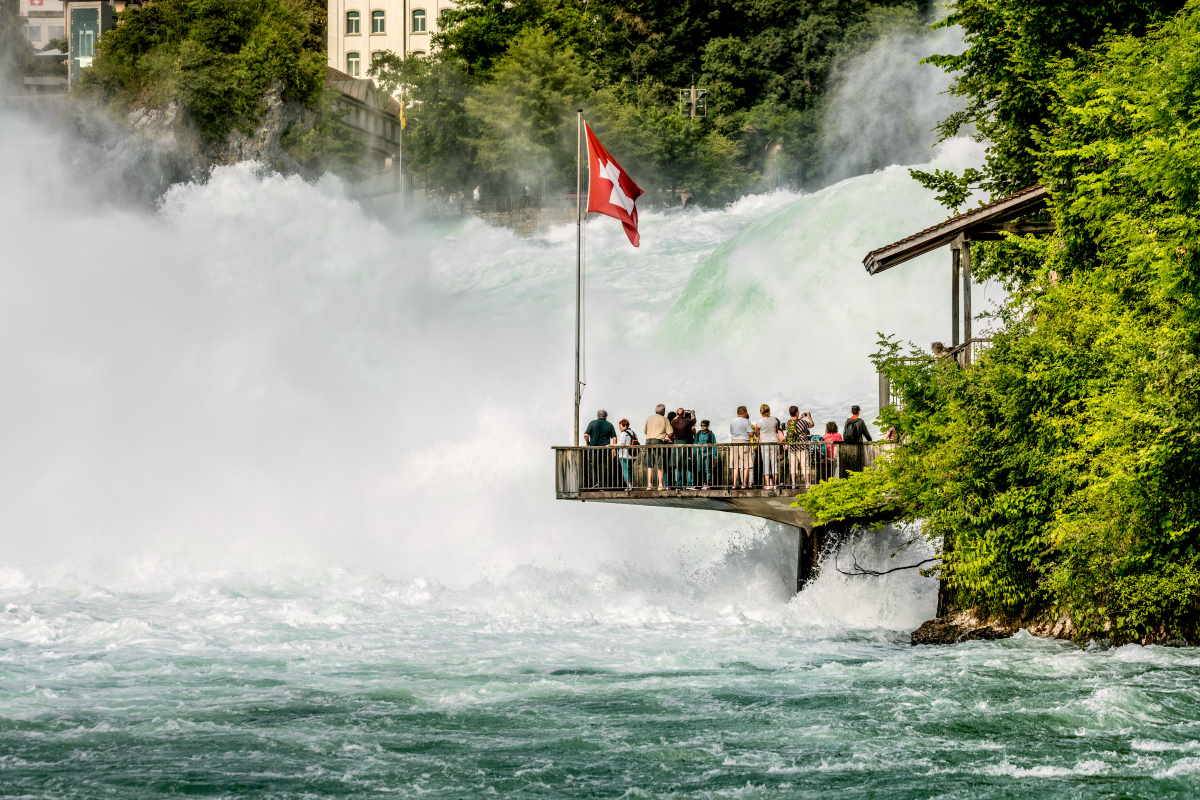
(769, 434)
(833, 445)
(742, 460)
(627, 440)
(708, 455)
(855, 430)
(599, 433)
(683, 427)
(658, 432)
(855, 435)
(796, 436)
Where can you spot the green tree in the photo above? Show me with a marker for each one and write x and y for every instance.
(1063, 466)
(437, 140)
(524, 116)
(1006, 72)
(217, 58)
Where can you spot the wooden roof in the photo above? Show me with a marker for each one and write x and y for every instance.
(986, 222)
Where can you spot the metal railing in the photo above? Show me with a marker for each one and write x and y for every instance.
(969, 351)
(723, 468)
(963, 354)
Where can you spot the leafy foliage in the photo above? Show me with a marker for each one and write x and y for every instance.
(1006, 74)
(1062, 469)
(764, 64)
(217, 58)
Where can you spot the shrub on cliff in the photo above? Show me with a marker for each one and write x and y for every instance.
(218, 59)
(1063, 468)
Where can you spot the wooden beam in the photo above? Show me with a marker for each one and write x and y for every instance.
(955, 284)
(990, 216)
(968, 315)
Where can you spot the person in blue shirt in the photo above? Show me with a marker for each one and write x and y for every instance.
(708, 455)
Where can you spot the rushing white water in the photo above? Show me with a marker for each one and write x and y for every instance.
(278, 514)
(257, 373)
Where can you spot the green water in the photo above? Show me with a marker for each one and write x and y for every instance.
(356, 687)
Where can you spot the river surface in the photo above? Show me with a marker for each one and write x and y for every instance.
(556, 685)
(278, 514)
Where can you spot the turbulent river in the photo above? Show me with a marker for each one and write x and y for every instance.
(278, 514)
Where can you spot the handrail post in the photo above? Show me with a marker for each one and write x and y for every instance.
(955, 283)
(966, 289)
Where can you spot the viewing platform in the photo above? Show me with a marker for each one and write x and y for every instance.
(757, 479)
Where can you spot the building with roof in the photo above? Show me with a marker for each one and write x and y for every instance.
(358, 29)
(372, 114)
(1022, 212)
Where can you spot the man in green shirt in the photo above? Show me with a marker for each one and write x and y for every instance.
(600, 433)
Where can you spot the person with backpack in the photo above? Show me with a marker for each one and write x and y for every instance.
(683, 431)
(628, 442)
(797, 432)
(707, 455)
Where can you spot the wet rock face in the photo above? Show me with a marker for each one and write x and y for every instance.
(966, 626)
(166, 130)
(958, 628)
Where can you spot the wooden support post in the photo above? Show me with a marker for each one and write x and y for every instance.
(955, 285)
(965, 259)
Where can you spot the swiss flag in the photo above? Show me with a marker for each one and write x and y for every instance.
(610, 189)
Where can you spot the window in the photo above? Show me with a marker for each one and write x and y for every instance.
(353, 63)
(56, 32)
(33, 33)
(377, 22)
(418, 19)
(352, 19)
(86, 48)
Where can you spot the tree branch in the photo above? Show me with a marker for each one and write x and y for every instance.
(859, 570)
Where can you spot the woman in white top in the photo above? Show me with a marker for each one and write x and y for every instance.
(768, 437)
(741, 459)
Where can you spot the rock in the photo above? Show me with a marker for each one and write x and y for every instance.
(961, 627)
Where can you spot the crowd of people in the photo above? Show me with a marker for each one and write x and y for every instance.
(795, 438)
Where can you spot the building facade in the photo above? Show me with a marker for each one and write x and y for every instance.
(85, 22)
(360, 28)
(44, 22)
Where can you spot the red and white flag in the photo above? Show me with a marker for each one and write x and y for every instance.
(610, 189)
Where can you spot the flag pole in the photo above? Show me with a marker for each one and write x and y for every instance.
(578, 262)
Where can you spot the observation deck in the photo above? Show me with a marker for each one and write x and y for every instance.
(759, 480)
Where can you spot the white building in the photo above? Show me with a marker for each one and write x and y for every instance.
(358, 28)
(44, 21)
